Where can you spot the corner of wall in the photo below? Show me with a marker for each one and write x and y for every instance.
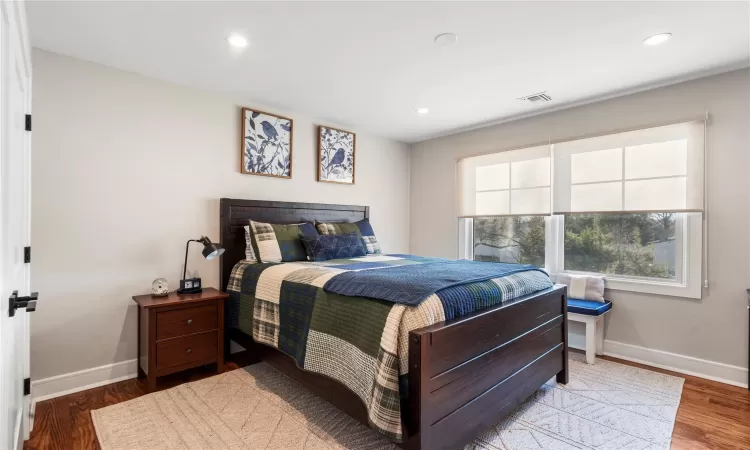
(409, 149)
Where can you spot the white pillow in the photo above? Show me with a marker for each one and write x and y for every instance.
(583, 287)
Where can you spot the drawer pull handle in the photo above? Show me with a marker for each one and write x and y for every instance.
(190, 321)
(190, 350)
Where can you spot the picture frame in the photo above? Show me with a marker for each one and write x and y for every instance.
(337, 151)
(266, 144)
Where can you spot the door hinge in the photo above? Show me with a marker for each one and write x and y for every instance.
(27, 255)
(27, 386)
(28, 122)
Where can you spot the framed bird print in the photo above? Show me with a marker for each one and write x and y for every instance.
(336, 155)
(266, 144)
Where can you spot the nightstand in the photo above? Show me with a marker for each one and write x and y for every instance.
(179, 332)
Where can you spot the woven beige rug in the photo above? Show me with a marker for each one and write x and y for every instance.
(605, 406)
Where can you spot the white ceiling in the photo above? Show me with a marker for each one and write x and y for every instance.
(369, 65)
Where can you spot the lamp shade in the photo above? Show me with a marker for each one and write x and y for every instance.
(210, 249)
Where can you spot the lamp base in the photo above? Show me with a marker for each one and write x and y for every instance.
(190, 286)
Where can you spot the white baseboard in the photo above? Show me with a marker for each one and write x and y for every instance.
(688, 365)
(70, 383)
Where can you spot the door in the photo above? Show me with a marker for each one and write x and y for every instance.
(15, 160)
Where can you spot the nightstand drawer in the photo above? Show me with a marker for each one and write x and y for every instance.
(185, 321)
(186, 350)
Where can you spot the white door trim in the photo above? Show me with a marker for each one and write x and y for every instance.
(15, 144)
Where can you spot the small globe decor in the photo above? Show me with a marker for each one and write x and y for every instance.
(159, 288)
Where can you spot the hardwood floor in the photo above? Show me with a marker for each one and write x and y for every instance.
(711, 416)
(64, 423)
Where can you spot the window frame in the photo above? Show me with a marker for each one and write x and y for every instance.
(688, 257)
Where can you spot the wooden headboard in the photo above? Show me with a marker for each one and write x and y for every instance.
(236, 213)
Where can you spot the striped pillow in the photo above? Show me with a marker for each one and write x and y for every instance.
(362, 227)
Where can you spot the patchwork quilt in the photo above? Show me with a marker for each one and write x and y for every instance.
(359, 341)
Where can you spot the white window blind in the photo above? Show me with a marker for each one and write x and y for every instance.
(649, 170)
(515, 182)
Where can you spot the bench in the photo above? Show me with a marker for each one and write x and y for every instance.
(592, 314)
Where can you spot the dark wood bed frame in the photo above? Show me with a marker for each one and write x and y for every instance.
(465, 374)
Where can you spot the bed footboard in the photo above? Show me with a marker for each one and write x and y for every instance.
(467, 374)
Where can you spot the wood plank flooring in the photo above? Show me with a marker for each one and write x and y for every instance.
(711, 416)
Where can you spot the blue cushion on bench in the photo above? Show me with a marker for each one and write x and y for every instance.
(588, 307)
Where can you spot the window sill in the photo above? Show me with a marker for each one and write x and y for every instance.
(651, 287)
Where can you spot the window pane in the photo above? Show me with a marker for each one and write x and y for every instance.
(492, 178)
(602, 165)
(641, 245)
(509, 239)
(596, 197)
(531, 173)
(662, 159)
(493, 202)
(529, 201)
(640, 194)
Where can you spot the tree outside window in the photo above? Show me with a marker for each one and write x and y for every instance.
(641, 245)
(636, 245)
(518, 239)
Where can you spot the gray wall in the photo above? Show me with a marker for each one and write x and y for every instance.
(126, 169)
(714, 328)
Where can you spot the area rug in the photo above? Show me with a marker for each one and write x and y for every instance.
(605, 406)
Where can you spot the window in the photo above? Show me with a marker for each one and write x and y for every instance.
(629, 245)
(651, 170)
(513, 183)
(517, 239)
(657, 253)
(626, 205)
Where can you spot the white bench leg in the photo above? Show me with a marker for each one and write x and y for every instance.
(600, 335)
(590, 341)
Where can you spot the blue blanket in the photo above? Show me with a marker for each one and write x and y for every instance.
(411, 284)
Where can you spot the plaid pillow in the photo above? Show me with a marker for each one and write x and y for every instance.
(279, 243)
(337, 228)
(333, 246)
(249, 252)
(368, 236)
(362, 227)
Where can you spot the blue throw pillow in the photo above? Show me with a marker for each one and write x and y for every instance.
(363, 226)
(333, 246)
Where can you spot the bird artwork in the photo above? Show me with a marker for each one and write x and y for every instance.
(336, 150)
(267, 144)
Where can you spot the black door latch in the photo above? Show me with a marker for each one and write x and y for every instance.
(15, 302)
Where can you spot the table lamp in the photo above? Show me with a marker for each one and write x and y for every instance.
(210, 251)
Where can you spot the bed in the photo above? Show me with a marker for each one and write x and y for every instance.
(464, 374)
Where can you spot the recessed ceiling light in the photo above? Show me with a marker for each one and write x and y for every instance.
(236, 40)
(422, 110)
(657, 39)
(446, 39)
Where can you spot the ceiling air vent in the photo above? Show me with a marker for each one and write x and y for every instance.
(541, 97)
